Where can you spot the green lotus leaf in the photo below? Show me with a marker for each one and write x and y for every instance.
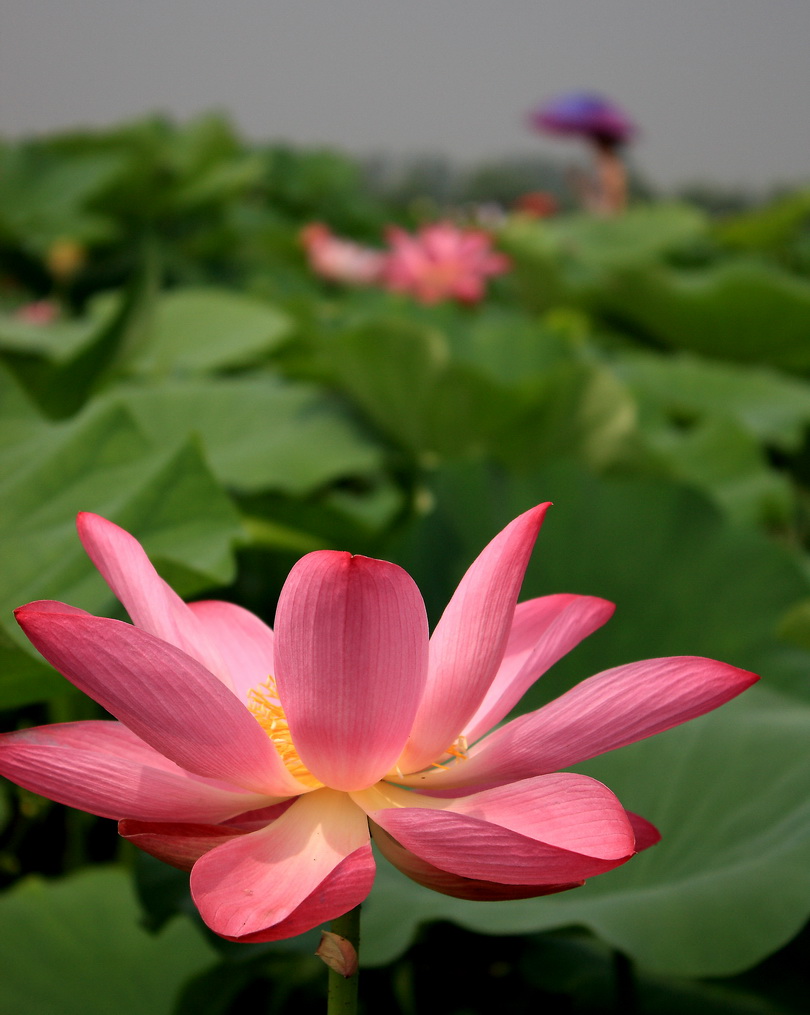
(76, 947)
(101, 461)
(258, 433)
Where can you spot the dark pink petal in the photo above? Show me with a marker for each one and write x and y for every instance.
(103, 768)
(163, 695)
(468, 644)
(242, 640)
(251, 821)
(437, 880)
(645, 831)
(475, 848)
(612, 709)
(543, 631)
(53, 606)
(552, 830)
(562, 809)
(150, 602)
(180, 845)
(351, 659)
(254, 883)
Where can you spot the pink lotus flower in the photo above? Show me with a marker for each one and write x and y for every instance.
(265, 787)
(441, 262)
(340, 260)
(40, 312)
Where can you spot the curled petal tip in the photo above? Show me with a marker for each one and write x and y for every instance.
(645, 832)
(30, 612)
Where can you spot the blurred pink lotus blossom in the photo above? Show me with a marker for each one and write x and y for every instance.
(441, 261)
(538, 204)
(262, 760)
(40, 312)
(340, 260)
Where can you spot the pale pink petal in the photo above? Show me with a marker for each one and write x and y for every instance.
(604, 712)
(163, 695)
(101, 767)
(150, 602)
(243, 640)
(341, 890)
(437, 880)
(351, 658)
(495, 835)
(543, 631)
(253, 883)
(468, 644)
(180, 845)
(338, 259)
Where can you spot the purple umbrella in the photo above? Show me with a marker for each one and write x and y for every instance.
(603, 125)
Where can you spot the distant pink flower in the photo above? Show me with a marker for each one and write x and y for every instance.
(40, 312)
(340, 260)
(442, 262)
(266, 787)
(538, 204)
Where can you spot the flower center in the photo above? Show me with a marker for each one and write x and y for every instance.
(264, 705)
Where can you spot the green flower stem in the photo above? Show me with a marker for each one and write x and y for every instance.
(342, 994)
(626, 993)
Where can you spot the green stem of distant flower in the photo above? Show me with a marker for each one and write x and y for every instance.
(626, 998)
(342, 995)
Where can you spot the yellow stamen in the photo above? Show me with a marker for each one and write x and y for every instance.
(265, 707)
(458, 749)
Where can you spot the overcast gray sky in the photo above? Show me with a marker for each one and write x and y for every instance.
(720, 87)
